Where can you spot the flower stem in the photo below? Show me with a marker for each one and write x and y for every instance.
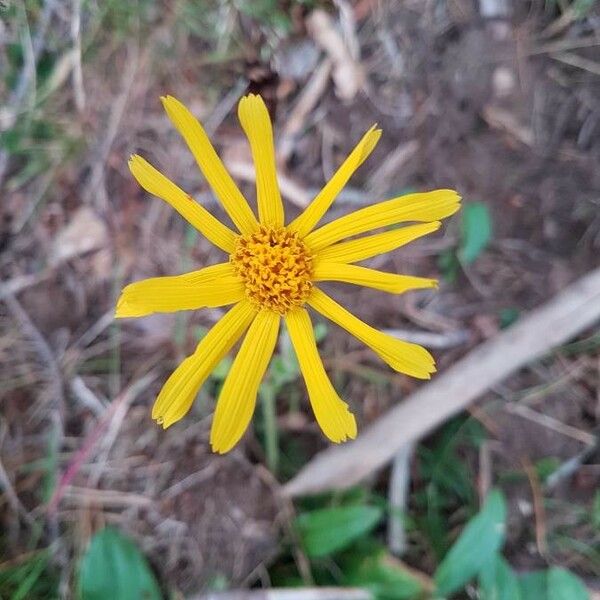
(267, 395)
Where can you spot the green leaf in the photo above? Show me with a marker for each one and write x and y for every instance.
(386, 577)
(331, 529)
(546, 466)
(563, 585)
(476, 231)
(113, 567)
(480, 540)
(533, 586)
(553, 584)
(498, 581)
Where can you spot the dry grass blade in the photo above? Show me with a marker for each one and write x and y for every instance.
(574, 60)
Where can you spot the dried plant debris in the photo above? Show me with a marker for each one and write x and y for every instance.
(195, 517)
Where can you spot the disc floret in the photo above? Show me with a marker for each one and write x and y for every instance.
(276, 267)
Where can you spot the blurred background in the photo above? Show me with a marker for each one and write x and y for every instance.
(499, 99)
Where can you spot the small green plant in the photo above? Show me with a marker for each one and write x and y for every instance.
(342, 543)
(34, 578)
(476, 546)
(448, 485)
(475, 236)
(113, 567)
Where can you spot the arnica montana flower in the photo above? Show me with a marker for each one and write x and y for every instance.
(272, 273)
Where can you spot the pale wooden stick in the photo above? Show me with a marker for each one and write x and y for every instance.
(308, 593)
(557, 321)
(398, 499)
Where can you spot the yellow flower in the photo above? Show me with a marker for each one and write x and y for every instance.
(272, 273)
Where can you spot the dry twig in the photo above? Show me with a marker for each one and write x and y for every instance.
(574, 60)
(347, 73)
(398, 499)
(289, 189)
(317, 593)
(551, 423)
(308, 99)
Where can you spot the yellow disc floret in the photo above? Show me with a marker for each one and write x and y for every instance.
(276, 268)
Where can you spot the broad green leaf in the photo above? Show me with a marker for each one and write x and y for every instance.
(553, 584)
(480, 540)
(113, 567)
(498, 581)
(563, 585)
(476, 231)
(533, 586)
(386, 577)
(331, 529)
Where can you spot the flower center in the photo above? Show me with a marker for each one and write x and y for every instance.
(276, 268)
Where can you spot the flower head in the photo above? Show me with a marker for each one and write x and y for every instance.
(272, 274)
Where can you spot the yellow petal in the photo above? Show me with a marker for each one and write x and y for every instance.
(372, 245)
(236, 402)
(387, 282)
(428, 206)
(181, 389)
(210, 164)
(331, 412)
(401, 356)
(154, 182)
(216, 285)
(313, 213)
(254, 117)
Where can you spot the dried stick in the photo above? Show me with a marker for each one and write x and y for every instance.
(398, 499)
(310, 96)
(289, 188)
(557, 321)
(308, 593)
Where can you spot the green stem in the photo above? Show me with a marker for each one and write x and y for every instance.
(267, 395)
(115, 338)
